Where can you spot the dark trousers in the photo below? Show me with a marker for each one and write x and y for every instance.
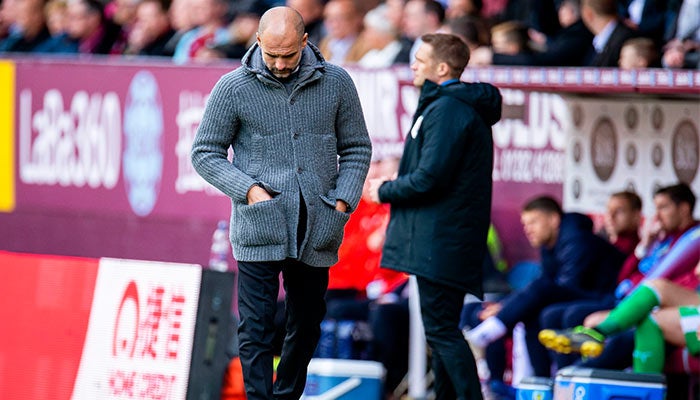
(258, 287)
(569, 315)
(526, 305)
(617, 353)
(452, 359)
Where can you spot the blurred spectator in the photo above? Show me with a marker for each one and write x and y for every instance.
(510, 38)
(381, 38)
(507, 38)
(492, 9)
(683, 51)
(312, 13)
(181, 20)
(8, 15)
(538, 15)
(123, 14)
(152, 31)
(209, 17)
(647, 17)
(622, 221)
(468, 29)
(55, 12)
(570, 47)
(394, 13)
(638, 53)
(242, 30)
(461, 8)
(31, 30)
(600, 16)
(421, 17)
(87, 25)
(343, 21)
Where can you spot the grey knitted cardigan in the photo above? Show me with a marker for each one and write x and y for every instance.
(312, 143)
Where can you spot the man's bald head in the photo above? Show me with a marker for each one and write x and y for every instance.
(281, 21)
(281, 39)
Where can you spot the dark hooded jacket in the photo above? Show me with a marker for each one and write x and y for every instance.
(441, 199)
(580, 261)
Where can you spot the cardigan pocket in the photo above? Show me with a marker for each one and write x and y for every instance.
(327, 232)
(259, 224)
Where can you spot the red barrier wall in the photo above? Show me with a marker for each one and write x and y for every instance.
(81, 328)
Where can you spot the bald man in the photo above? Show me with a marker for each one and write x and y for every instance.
(301, 154)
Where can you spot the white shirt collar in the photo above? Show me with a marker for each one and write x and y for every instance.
(635, 10)
(601, 39)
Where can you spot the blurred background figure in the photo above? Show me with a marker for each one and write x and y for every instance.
(343, 21)
(601, 18)
(312, 13)
(209, 17)
(242, 32)
(394, 13)
(683, 51)
(122, 13)
(8, 15)
(419, 18)
(648, 17)
(622, 221)
(461, 8)
(30, 28)
(152, 31)
(381, 39)
(538, 15)
(181, 20)
(55, 13)
(507, 38)
(88, 26)
(470, 30)
(638, 53)
(510, 38)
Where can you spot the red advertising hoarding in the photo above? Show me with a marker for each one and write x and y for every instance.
(80, 328)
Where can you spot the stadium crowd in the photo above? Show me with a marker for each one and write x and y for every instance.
(370, 33)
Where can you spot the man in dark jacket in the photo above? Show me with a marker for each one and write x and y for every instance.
(576, 264)
(441, 204)
(600, 16)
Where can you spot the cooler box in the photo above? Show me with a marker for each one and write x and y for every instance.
(343, 380)
(601, 384)
(534, 388)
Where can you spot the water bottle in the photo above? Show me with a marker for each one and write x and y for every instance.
(220, 246)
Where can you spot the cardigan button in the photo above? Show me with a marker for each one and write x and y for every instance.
(299, 170)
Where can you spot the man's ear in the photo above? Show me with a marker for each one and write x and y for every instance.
(443, 69)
